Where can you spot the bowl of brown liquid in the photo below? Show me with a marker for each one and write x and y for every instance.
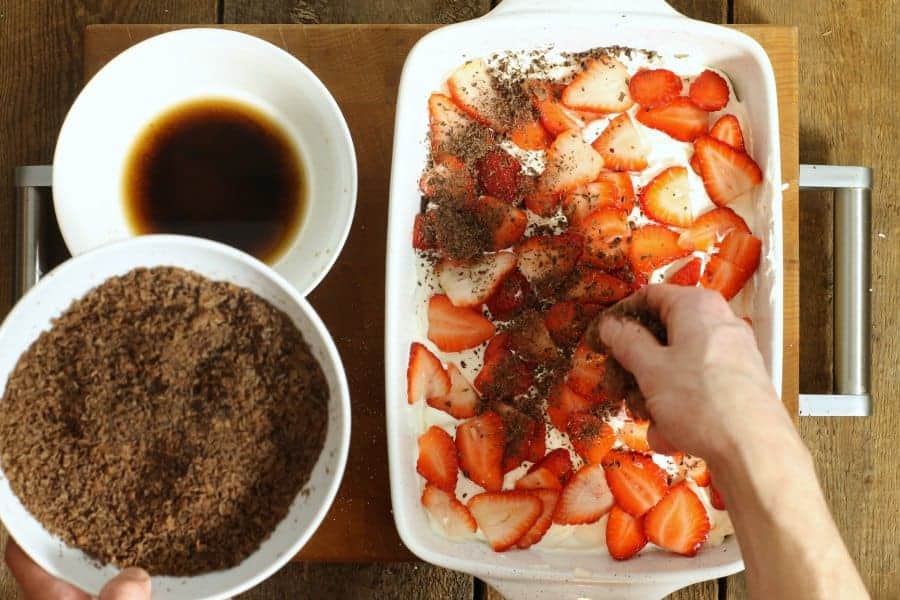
(213, 134)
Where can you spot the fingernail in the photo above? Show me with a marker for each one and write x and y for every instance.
(135, 574)
(609, 329)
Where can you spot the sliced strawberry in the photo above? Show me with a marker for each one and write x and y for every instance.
(423, 237)
(592, 286)
(450, 125)
(696, 468)
(540, 478)
(567, 320)
(511, 296)
(635, 480)
(462, 400)
(530, 339)
(724, 277)
(469, 283)
(542, 202)
(621, 146)
(581, 201)
(652, 87)
(453, 328)
(667, 198)
(625, 189)
(570, 162)
(504, 517)
(728, 130)
(555, 117)
(437, 458)
(525, 436)
(425, 376)
(549, 498)
(506, 223)
(479, 444)
(585, 498)
(695, 163)
(590, 436)
(587, 373)
(679, 522)
(558, 462)
(634, 435)
(680, 118)
(472, 89)
(606, 238)
(601, 87)
(499, 174)
(503, 375)
(450, 513)
(625, 535)
(715, 497)
(447, 177)
(548, 259)
(710, 227)
(709, 91)
(727, 173)
(741, 249)
(530, 135)
(688, 275)
(653, 246)
(563, 403)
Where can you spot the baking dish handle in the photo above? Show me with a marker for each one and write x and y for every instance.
(644, 7)
(852, 188)
(556, 590)
(29, 182)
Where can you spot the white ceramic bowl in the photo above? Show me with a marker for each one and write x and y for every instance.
(174, 67)
(56, 291)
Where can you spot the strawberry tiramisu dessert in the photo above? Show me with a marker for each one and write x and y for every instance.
(556, 187)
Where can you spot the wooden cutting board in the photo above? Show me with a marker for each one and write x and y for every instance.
(361, 66)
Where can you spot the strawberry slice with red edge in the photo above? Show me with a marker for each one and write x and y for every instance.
(469, 283)
(425, 375)
(547, 259)
(695, 164)
(624, 187)
(558, 462)
(727, 173)
(461, 401)
(710, 227)
(634, 435)
(447, 177)
(695, 468)
(741, 249)
(480, 442)
(506, 223)
(542, 202)
(449, 124)
(724, 277)
(680, 119)
(636, 481)
(587, 373)
(453, 328)
(653, 246)
(730, 269)
(503, 375)
(437, 461)
(621, 145)
(452, 515)
(592, 286)
(554, 117)
(606, 236)
(601, 87)
(590, 436)
(500, 174)
(540, 478)
(531, 135)
(567, 320)
(581, 201)
(678, 523)
(511, 297)
(423, 235)
(652, 87)
(563, 403)
(472, 89)
(549, 499)
(625, 535)
(728, 130)
(570, 162)
(709, 91)
(688, 275)
(505, 517)
(715, 497)
(530, 339)
(667, 198)
(525, 436)
(585, 498)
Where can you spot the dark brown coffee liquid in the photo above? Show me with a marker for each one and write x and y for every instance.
(217, 169)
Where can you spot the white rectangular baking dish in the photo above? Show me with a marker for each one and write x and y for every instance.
(568, 25)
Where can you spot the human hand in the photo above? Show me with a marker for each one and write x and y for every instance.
(707, 391)
(37, 584)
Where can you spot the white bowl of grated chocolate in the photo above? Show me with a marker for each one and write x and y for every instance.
(170, 403)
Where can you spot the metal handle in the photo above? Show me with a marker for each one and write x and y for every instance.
(852, 279)
(29, 256)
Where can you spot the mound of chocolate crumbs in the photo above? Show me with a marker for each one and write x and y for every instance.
(165, 421)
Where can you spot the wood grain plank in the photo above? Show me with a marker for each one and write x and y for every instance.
(714, 11)
(849, 83)
(352, 11)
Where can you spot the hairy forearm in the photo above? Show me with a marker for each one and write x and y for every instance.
(790, 544)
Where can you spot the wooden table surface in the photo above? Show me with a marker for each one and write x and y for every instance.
(848, 73)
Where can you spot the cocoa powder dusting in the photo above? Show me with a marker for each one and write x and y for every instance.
(165, 420)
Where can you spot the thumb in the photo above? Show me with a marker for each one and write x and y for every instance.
(130, 584)
(633, 346)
